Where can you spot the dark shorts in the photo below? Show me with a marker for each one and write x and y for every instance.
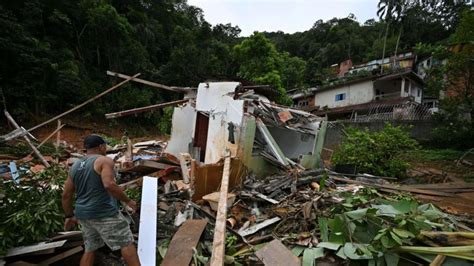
(113, 231)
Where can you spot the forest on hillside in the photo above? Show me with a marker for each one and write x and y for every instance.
(55, 53)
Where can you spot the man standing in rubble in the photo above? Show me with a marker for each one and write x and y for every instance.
(92, 178)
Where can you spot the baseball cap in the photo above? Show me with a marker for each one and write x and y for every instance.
(93, 141)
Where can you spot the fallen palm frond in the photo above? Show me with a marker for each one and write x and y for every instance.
(447, 238)
(462, 252)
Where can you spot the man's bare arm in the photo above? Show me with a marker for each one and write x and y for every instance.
(67, 197)
(105, 167)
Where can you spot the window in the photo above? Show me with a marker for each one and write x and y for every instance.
(340, 97)
(418, 92)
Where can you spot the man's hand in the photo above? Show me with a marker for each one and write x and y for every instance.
(69, 223)
(133, 205)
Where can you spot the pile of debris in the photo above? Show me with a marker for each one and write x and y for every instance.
(317, 215)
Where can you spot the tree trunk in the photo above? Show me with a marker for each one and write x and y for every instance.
(398, 41)
(384, 44)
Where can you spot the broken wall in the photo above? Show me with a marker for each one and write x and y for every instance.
(293, 143)
(217, 100)
(182, 131)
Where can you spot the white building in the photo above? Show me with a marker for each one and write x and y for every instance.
(344, 96)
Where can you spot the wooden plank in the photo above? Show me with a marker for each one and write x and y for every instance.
(146, 167)
(147, 232)
(218, 244)
(129, 183)
(67, 235)
(51, 135)
(275, 253)
(441, 186)
(84, 103)
(19, 132)
(58, 136)
(28, 141)
(19, 263)
(143, 109)
(180, 250)
(61, 256)
(33, 248)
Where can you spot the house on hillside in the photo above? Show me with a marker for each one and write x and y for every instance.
(363, 90)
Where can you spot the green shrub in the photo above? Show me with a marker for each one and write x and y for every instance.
(378, 153)
(164, 125)
(32, 210)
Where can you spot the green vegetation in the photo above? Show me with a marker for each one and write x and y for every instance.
(435, 154)
(22, 149)
(369, 226)
(55, 54)
(379, 153)
(31, 212)
(455, 80)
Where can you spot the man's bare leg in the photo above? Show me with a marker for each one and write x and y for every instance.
(88, 258)
(129, 254)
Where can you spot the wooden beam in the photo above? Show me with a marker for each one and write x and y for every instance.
(62, 256)
(58, 136)
(149, 83)
(218, 245)
(33, 248)
(143, 109)
(392, 187)
(51, 135)
(28, 141)
(84, 103)
(19, 132)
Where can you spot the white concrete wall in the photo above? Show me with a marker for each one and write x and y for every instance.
(216, 98)
(182, 131)
(357, 93)
(293, 143)
(415, 91)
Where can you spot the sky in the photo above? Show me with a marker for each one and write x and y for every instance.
(288, 16)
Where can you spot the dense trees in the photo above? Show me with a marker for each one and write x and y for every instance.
(55, 53)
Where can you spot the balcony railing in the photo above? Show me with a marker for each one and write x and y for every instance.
(388, 96)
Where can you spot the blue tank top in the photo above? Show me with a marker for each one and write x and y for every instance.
(92, 200)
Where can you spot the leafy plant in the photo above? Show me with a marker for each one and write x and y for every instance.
(32, 210)
(134, 194)
(374, 228)
(379, 153)
(165, 122)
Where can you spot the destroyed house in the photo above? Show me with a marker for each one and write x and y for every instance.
(226, 118)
